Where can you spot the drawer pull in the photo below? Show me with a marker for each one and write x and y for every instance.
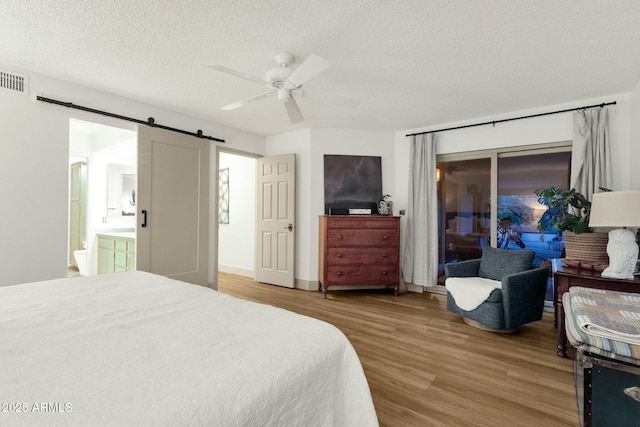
(384, 237)
(339, 236)
(384, 255)
(339, 255)
(384, 273)
(339, 273)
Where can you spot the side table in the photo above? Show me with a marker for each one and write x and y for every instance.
(565, 277)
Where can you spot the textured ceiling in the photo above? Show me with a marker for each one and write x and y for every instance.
(414, 63)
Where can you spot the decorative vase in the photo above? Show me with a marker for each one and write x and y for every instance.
(589, 247)
(385, 207)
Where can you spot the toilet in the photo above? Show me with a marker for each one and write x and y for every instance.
(81, 261)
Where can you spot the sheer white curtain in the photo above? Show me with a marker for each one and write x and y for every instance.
(590, 156)
(420, 262)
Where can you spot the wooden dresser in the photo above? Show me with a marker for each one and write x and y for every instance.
(359, 250)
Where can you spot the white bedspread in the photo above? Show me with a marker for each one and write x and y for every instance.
(136, 349)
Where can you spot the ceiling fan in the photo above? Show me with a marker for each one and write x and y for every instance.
(287, 83)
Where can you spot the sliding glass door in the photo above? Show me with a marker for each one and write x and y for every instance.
(464, 210)
(468, 221)
(518, 208)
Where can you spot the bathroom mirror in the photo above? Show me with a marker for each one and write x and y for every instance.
(121, 190)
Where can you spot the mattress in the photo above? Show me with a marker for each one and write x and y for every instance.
(136, 349)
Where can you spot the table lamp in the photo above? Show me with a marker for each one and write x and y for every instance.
(618, 209)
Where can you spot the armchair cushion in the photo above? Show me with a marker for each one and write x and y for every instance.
(497, 263)
(467, 268)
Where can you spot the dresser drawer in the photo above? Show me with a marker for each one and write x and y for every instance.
(367, 222)
(362, 256)
(368, 275)
(362, 237)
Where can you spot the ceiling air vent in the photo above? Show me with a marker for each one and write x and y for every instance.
(14, 82)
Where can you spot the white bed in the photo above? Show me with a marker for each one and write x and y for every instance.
(135, 349)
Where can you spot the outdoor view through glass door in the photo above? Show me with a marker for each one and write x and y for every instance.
(518, 207)
(465, 217)
(464, 210)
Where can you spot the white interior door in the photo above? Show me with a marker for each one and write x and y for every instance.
(173, 205)
(275, 205)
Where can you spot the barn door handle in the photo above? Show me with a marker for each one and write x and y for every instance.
(144, 218)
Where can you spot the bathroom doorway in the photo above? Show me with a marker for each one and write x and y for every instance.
(77, 213)
(102, 185)
(236, 212)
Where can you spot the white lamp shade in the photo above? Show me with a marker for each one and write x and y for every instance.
(615, 209)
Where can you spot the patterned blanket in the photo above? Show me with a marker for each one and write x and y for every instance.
(604, 322)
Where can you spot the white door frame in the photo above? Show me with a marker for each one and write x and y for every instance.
(214, 239)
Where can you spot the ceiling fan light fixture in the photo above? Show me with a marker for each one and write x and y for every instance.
(284, 95)
(277, 75)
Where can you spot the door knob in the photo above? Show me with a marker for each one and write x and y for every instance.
(289, 227)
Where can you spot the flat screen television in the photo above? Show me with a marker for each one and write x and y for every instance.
(351, 182)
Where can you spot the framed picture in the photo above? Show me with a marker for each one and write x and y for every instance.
(352, 182)
(223, 194)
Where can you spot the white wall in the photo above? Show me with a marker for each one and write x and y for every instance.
(236, 239)
(34, 169)
(539, 130)
(311, 145)
(634, 141)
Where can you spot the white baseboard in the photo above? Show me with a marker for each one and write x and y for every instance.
(416, 288)
(307, 285)
(237, 271)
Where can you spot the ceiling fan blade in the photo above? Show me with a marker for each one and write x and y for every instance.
(293, 111)
(345, 101)
(244, 102)
(240, 74)
(311, 67)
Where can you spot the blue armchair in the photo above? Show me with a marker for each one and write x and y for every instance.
(499, 292)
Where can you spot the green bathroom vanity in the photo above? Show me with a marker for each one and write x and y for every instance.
(116, 252)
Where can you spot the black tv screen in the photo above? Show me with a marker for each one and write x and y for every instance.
(351, 182)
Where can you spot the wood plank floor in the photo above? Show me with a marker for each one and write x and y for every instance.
(426, 367)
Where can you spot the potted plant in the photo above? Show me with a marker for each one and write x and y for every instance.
(568, 211)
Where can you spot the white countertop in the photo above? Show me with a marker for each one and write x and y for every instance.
(118, 234)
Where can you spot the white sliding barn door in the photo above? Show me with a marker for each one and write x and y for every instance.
(173, 205)
(275, 205)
